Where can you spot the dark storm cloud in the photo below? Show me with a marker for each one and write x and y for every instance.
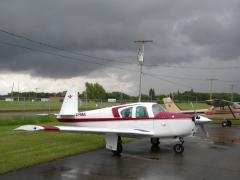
(107, 28)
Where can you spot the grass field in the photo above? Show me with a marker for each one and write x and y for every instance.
(188, 106)
(28, 105)
(47, 106)
(219, 121)
(55, 106)
(22, 149)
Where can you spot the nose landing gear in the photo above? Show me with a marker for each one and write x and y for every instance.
(179, 148)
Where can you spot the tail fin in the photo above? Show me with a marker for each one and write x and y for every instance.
(170, 105)
(70, 103)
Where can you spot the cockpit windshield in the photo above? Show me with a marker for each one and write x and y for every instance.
(156, 108)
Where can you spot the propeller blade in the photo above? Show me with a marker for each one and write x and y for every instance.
(204, 130)
(193, 108)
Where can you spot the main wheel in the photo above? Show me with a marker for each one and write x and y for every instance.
(229, 123)
(224, 123)
(178, 148)
(155, 141)
(119, 147)
(118, 151)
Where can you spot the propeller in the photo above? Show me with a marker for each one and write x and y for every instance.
(204, 130)
(200, 121)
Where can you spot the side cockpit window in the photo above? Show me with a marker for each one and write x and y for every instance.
(126, 113)
(141, 112)
(156, 108)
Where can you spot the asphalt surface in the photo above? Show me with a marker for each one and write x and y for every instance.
(217, 157)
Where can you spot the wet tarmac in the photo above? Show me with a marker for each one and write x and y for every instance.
(217, 157)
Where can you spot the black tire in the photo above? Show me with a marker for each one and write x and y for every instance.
(178, 148)
(155, 141)
(229, 123)
(224, 123)
(119, 150)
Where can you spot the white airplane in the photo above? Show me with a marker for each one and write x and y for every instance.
(128, 120)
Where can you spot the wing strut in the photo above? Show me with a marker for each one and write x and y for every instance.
(232, 112)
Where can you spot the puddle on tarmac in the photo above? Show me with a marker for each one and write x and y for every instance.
(225, 140)
(53, 171)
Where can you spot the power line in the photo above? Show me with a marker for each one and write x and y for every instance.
(166, 80)
(105, 59)
(193, 67)
(63, 56)
(178, 77)
(60, 49)
(81, 60)
(113, 66)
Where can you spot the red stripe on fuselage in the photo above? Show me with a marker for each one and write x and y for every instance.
(160, 116)
(167, 115)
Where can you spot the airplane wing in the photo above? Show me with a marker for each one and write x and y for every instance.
(125, 132)
(201, 111)
(218, 102)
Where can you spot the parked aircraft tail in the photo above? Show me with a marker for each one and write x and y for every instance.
(170, 105)
(70, 103)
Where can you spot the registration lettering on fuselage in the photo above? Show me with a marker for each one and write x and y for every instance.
(81, 114)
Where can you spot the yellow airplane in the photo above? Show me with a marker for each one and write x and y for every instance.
(218, 108)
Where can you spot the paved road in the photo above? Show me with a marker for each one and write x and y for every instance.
(202, 159)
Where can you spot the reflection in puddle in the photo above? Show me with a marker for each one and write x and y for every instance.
(52, 171)
(224, 140)
(223, 136)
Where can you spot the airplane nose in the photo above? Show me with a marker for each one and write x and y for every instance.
(201, 120)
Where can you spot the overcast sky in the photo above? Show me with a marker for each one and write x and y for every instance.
(192, 41)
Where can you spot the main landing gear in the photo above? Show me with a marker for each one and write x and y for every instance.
(226, 123)
(119, 147)
(179, 148)
(155, 141)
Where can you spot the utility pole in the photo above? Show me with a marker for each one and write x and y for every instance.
(232, 88)
(141, 62)
(12, 92)
(18, 91)
(211, 86)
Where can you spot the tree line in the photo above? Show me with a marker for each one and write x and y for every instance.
(97, 92)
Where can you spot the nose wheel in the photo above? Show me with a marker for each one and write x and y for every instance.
(179, 148)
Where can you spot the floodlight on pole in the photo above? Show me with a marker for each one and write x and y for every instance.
(140, 58)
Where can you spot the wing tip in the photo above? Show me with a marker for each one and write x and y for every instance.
(29, 128)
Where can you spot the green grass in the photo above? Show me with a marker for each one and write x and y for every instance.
(47, 106)
(27, 120)
(23, 149)
(28, 105)
(188, 106)
(20, 149)
(95, 105)
(219, 121)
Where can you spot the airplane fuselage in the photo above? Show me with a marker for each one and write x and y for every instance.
(163, 124)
